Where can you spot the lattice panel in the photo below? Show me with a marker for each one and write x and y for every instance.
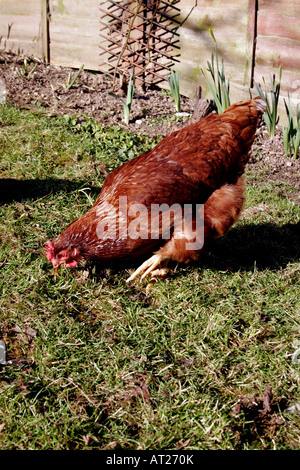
(139, 33)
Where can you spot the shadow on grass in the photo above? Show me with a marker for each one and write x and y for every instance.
(24, 190)
(248, 248)
(259, 246)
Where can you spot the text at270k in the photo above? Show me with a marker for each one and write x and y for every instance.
(155, 459)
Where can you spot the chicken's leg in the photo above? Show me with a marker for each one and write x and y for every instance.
(221, 210)
(149, 267)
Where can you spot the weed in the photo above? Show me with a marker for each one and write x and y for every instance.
(113, 144)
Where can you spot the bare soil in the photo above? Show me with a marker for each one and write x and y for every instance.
(48, 86)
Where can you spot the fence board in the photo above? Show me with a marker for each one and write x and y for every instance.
(20, 24)
(278, 43)
(229, 22)
(74, 33)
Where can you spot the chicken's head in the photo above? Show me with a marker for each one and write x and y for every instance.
(67, 256)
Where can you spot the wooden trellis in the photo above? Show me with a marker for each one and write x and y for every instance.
(139, 33)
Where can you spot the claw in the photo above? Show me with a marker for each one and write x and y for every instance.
(147, 267)
(156, 274)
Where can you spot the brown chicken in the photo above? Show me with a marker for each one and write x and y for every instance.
(156, 201)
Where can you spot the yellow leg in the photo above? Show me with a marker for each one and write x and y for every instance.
(147, 267)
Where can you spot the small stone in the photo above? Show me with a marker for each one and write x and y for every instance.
(182, 114)
(2, 352)
(295, 408)
(2, 92)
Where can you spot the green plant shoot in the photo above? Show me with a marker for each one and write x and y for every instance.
(271, 117)
(129, 98)
(291, 132)
(70, 81)
(173, 81)
(219, 86)
(130, 92)
(25, 71)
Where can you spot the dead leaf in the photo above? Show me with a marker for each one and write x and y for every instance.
(26, 331)
(111, 445)
(86, 439)
(85, 274)
(268, 396)
(183, 445)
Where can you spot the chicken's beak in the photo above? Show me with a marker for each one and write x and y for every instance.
(55, 265)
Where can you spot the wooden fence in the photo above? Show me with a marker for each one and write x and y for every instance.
(254, 37)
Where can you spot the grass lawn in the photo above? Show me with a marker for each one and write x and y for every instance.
(93, 362)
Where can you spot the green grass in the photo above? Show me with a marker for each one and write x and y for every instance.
(96, 363)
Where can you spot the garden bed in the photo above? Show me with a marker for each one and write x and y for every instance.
(153, 111)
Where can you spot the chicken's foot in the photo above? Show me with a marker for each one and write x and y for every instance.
(149, 267)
